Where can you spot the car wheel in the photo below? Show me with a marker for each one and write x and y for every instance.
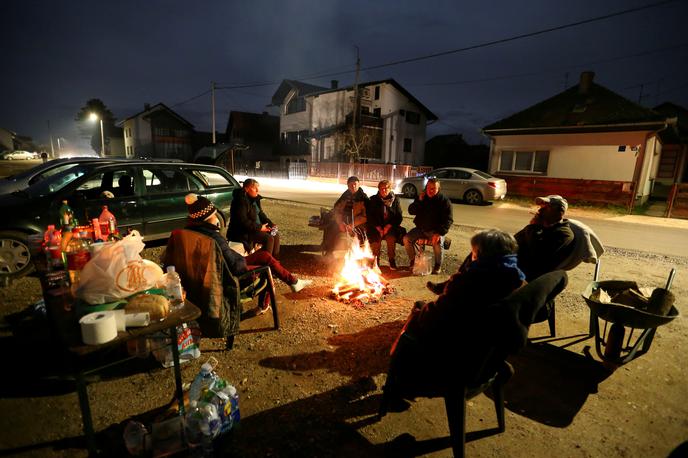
(473, 197)
(409, 191)
(15, 260)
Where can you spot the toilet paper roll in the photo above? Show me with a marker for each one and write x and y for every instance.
(137, 319)
(98, 327)
(121, 320)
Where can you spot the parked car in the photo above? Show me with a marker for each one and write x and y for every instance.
(33, 175)
(153, 204)
(15, 155)
(472, 186)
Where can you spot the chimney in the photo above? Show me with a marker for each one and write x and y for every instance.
(334, 84)
(585, 82)
(146, 106)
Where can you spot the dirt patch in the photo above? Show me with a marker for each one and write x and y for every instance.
(313, 387)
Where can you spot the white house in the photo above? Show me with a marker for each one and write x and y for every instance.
(586, 143)
(312, 119)
(159, 132)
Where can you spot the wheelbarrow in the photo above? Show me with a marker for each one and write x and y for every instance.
(623, 320)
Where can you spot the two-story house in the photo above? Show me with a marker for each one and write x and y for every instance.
(158, 132)
(315, 121)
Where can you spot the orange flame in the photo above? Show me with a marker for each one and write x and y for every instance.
(358, 280)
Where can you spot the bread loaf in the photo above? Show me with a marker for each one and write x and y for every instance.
(156, 305)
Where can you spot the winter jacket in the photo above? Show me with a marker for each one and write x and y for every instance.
(542, 249)
(432, 214)
(349, 204)
(235, 262)
(244, 218)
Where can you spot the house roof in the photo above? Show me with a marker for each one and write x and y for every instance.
(428, 114)
(679, 131)
(596, 109)
(150, 110)
(253, 127)
(301, 88)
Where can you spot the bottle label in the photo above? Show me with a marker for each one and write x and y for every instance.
(78, 259)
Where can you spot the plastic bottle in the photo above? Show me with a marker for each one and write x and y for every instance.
(67, 219)
(173, 288)
(78, 255)
(202, 425)
(202, 382)
(54, 248)
(108, 223)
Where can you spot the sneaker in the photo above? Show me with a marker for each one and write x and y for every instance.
(392, 264)
(299, 285)
(436, 288)
(437, 270)
(262, 310)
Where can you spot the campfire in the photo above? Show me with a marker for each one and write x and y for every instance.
(360, 280)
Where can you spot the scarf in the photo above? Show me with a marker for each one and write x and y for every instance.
(389, 200)
(497, 263)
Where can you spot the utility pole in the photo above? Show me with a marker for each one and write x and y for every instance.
(355, 112)
(212, 100)
(52, 147)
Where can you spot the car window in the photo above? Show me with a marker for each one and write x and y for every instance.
(487, 176)
(212, 179)
(63, 180)
(167, 180)
(463, 175)
(50, 172)
(118, 183)
(439, 174)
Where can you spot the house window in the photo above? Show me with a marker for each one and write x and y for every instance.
(524, 161)
(365, 110)
(180, 133)
(162, 131)
(412, 117)
(408, 145)
(377, 92)
(296, 105)
(377, 112)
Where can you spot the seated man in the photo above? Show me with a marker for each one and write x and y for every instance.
(543, 245)
(248, 222)
(203, 218)
(349, 216)
(125, 186)
(436, 326)
(384, 222)
(434, 217)
(547, 240)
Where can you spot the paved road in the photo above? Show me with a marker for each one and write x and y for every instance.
(644, 233)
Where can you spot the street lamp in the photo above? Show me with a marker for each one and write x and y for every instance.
(95, 117)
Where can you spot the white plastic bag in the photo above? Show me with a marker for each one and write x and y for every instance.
(117, 271)
(421, 264)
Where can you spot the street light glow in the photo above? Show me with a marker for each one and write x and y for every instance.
(93, 117)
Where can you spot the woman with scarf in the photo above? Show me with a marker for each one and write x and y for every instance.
(441, 328)
(384, 222)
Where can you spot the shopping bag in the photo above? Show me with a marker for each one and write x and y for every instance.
(117, 271)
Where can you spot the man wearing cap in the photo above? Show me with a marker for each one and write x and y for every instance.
(547, 240)
(248, 223)
(349, 215)
(203, 218)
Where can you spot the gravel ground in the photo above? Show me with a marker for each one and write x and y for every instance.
(312, 388)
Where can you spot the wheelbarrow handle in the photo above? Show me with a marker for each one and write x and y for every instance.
(670, 280)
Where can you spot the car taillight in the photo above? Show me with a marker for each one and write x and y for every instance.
(492, 184)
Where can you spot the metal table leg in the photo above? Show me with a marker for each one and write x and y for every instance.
(177, 370)
(82, 392)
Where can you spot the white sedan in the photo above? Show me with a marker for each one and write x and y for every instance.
(14, 155)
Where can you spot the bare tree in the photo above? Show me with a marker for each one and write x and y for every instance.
(355, 143)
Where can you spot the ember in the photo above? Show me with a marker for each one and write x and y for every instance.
(360, 279)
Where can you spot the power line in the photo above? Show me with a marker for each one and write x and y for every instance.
(191, 99)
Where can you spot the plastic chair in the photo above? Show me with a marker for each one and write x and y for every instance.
(198, 260)
(480, 362)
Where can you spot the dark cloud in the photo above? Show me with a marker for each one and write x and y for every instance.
(57, 55)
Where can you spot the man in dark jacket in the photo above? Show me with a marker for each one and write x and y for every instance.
(248, 223)
(547, 240)
(384, 222)
(434, 217)
(349, 216)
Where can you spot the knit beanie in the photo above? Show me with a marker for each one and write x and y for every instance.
(199, 207)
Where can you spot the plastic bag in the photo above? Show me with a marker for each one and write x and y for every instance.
(188, 340)
(117, 271)
(421, 264)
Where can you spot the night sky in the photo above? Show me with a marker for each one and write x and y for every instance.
(59, 54)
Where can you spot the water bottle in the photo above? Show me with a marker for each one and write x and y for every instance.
(173, 288)
(273, 231)
(202, 425)
(235, 414)
(202, 382)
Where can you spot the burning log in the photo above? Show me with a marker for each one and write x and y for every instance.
(359, 282)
